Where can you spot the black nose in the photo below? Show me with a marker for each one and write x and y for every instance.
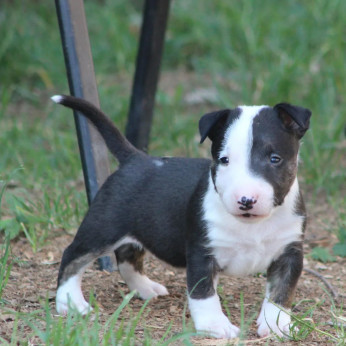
(246, 203)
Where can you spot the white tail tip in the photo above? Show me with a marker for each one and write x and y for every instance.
(57, 98)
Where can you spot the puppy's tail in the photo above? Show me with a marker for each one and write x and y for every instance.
(118, 145)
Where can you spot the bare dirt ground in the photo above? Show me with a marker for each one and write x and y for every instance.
(33, 278)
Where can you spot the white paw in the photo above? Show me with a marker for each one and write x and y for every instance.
(136, 281)
(147, 288)
(272, 319)
(217, 326)
(70, 297)
(63, 307)
(208, 317)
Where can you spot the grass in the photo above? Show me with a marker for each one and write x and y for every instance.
(249, 52)
(75, 329)
(5, 267)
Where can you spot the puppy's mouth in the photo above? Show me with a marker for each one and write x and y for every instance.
(248, 215)
(251, 217)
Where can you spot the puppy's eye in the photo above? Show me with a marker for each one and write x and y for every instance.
(224, 160)
(275, 158)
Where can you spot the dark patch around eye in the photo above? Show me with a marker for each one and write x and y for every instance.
(269, 139)
(275, 159)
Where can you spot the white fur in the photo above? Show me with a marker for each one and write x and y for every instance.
(123, 241)
(209, 318)
(69, 295)
(273, 319)
(241, 245)
(57, 98)
(158, 163)
(243, 248)
(235, 180)
(145, 287)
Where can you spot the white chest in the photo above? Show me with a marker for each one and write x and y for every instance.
(242, 248)
(245, 256)
(250, 250)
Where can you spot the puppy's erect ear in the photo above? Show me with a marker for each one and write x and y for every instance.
(294, 118)
(210, 123)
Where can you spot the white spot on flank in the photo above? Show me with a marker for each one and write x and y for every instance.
(158, 163)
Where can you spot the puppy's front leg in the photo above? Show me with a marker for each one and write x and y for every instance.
(282, 278)
(204, 303)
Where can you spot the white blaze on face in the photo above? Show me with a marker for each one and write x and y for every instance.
(235, 180)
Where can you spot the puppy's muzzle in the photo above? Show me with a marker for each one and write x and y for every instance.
(246, 203)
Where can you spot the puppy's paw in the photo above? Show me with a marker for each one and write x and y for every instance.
(208, 318)
(147, 288)
(217, 326)
(63, 307)
(70, 297)
(272, 319)
(136, 281)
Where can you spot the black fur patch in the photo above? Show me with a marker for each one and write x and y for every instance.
(300, 209)
(201, 265)
(270, 136)
(283, 274)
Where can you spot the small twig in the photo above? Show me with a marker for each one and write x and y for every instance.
(332, 290)
(236, 341)
(338, 324)
(257, 340)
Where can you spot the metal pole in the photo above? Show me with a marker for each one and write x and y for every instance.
(82, 83)
(147, 72)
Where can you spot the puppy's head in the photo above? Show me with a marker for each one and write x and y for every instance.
(255, 155)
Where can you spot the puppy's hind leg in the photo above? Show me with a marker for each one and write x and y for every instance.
(69, 294)
(130, 263)
(97, 236)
